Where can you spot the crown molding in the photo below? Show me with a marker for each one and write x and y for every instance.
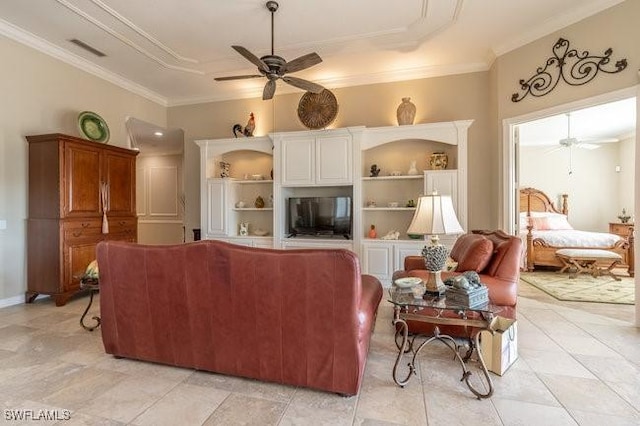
(151, 39)
(554, 24)
(350, 81)
(125, 40)
(21, 36)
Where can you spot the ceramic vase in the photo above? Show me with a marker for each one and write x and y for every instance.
(406, 112)
(438, 161)
(413, 170)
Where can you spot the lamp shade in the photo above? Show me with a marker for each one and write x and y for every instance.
(435, 215)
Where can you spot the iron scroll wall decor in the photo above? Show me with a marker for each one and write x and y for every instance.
(573, 67)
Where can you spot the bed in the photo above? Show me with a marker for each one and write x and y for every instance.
(545, 230)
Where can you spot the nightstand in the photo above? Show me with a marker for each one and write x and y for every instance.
(622, 229)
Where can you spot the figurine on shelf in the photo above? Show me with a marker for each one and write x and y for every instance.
(372, 232)
(413, 170)
(391, 235)
(225, 169)
(375, 171)
(259, 203)
(411, 203)
(371, 203)
(244, 229)
(248, 129)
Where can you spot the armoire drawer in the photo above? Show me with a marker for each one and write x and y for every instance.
(119, 225)
(85, 228)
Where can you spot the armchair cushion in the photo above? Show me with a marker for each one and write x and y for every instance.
(472, 252)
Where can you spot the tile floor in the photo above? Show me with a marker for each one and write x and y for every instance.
(579, 364)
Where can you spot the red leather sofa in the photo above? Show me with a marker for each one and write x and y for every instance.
(298, 317)
(495, 255)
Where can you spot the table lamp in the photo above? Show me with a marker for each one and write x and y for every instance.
(435, 216)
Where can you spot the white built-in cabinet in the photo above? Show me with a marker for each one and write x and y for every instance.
(334, 162)
(220, 211)
(315, 159)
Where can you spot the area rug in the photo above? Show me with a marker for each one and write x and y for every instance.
(583, 288)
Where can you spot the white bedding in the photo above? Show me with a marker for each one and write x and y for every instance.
(575, 238)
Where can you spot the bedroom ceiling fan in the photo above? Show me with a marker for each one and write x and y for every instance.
(570, 142)
(274, 67)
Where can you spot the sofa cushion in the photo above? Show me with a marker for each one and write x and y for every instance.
(472, 252)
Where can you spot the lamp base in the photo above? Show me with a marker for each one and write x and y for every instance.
(434, 284)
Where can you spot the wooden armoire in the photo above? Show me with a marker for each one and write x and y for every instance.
(67, 179)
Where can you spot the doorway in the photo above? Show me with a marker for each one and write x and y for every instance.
(511, 161)
(159, 182)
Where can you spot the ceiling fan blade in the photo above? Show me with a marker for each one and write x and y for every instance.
(269, 90)
(302, 62)
(588, 145)
(237, 77)
(600, 140)
(552, 150)
(251, 58)
(303, 84)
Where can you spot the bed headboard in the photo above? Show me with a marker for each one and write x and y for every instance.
(534, 200)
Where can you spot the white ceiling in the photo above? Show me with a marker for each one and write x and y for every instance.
(606, 123)
(170, 51)
(152, 140)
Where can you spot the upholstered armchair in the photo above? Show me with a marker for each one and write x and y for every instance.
(494, 255)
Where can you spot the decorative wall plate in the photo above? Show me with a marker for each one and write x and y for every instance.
(93, 127)
(317, 111)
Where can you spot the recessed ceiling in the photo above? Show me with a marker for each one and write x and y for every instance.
(152, 140)
(170, 51)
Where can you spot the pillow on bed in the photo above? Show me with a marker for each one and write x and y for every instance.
(551, 222)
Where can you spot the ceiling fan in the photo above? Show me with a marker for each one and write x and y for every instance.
(569, 141)
(274, 67)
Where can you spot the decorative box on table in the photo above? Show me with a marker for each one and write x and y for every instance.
(469, 298)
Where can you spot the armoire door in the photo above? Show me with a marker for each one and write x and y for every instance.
(119, 175)
(81, 186)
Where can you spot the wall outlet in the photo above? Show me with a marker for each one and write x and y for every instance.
(3, 224)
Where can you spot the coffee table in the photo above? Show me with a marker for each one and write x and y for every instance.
(436, 311)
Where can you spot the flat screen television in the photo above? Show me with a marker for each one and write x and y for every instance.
(319, 216)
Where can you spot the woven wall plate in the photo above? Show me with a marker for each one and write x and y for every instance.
(317, 111)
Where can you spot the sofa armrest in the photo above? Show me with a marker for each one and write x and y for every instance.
(371, 295)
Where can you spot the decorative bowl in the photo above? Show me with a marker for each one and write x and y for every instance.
(414, 236)
(256, 177)
(260, 232)
(408, 282)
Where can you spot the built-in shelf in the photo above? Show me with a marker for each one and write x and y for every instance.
(388, 208)
(252, 209)
(402, 177)
(252, 181)
(403, 239)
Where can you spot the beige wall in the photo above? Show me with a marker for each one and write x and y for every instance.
(592, 186)
(437, 99)
(626, 176)
(159, 199)
(614, 28)
(41, 94)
